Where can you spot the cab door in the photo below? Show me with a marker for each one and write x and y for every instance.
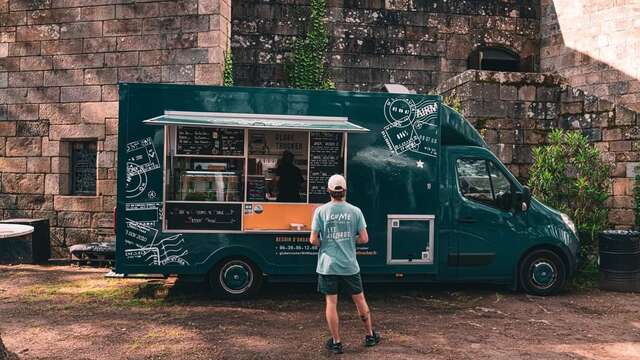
(485, 229)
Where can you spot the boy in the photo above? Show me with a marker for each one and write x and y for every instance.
(334, 227)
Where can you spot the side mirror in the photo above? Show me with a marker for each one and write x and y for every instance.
(523, 199)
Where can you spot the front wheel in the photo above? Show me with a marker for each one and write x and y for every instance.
(542, 272)
(235, 278)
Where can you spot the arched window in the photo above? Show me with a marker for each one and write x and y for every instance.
(495, 59)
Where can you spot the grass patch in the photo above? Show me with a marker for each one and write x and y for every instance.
(585, 279)
(111, 291)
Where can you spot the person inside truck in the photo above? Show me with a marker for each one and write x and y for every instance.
(334, 229)
(288, 178)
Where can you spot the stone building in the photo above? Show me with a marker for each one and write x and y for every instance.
(61, 60)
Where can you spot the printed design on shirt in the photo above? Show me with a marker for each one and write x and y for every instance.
(411, 126)
(337, 222)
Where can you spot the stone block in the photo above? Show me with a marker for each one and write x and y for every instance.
(592, 134)
(111, 126)
(99, 45)
(77, 203)
(56, 184)
(57, 47)
(122, 27)
(107, 187)
(624, 116)
(38, 164)
(22, 112)
(209, 74)
(144, 42)
(619, 146)
(50, 148)
(121, 59)
(76, 219)
(189, 56)
(60, 164)
(106, 159)
(13, 165)
(35, 63)
(178, 73)
(53, 16)
(7, 201)
(180, 41)
(100, 76)
(571, 107)
(32, 128)
(102, 220)
(209, 6)
(24, 79)
(41, 95)
(508, 92)
(527, 93)
(111, 143)
(97, 112)
(37, 32)
(110, 93)
(68, 113)
(79, 61)
(34, 202)
(621, 217)
(27, 48)
(63, 77)
(23, 146)
(80, 131)
(622, 202)
(633, 169)
(80, 94)
(140, 74)
(23, 183)
(91, 13)
(623, 187)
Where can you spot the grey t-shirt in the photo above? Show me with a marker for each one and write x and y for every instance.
(338, 223)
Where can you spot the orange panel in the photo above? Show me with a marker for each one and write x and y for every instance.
(275, 216)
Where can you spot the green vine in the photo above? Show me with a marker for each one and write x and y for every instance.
(636, 195)
(454, 102)
(307, 69)
(228, 69)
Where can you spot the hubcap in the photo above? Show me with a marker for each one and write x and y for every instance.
(236, 277)
(543, 274)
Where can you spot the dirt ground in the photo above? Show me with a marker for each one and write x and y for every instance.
(68, 312)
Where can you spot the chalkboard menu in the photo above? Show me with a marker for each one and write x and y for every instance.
(325, 159)
(211, 216)
(210, 141)
(256, 188)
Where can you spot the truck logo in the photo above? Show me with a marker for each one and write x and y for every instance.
(411, 127)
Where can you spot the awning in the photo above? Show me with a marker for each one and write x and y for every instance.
(256, 121)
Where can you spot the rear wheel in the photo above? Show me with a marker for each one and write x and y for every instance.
(235, 278)
(542, 272)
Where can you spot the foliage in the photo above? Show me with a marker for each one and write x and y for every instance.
(307, 69)
(228, 69)
(453, 101)
(568, 174)
(636, 195)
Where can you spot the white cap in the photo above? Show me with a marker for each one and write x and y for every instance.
(337, 183)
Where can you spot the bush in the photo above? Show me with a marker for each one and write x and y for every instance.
(569, 174)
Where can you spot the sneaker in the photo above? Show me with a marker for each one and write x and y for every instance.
(372, 340)
(334, 347)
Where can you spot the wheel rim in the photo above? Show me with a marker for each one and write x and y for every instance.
(543, 274)
(236, 277)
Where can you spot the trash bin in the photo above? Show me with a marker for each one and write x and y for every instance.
(15, 244)
(619, 260)
(40, 240)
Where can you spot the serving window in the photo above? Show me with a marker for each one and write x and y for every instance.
(251, 173)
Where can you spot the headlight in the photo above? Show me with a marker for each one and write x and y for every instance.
(569, 223)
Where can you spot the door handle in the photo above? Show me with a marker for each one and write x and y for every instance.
(467, 220)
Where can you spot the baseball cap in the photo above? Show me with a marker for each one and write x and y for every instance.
(337, 183)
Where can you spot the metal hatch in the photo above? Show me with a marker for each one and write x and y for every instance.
(410, 239)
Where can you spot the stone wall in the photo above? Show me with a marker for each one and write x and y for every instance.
(515, 111)
(595, 45)
(60, 62)
(416, 43)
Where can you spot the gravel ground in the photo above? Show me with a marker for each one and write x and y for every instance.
(69, 312)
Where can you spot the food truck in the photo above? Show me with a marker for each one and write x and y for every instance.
(199, 180)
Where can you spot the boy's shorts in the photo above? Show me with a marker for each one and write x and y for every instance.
(332, 284)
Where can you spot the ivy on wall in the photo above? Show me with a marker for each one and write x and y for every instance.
(228, 69)
(307, 67)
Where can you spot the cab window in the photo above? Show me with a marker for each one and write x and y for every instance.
(482, 181)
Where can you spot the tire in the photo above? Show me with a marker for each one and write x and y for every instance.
(542, 272)
(235, 278)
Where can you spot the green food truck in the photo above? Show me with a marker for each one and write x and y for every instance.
(201, 190)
